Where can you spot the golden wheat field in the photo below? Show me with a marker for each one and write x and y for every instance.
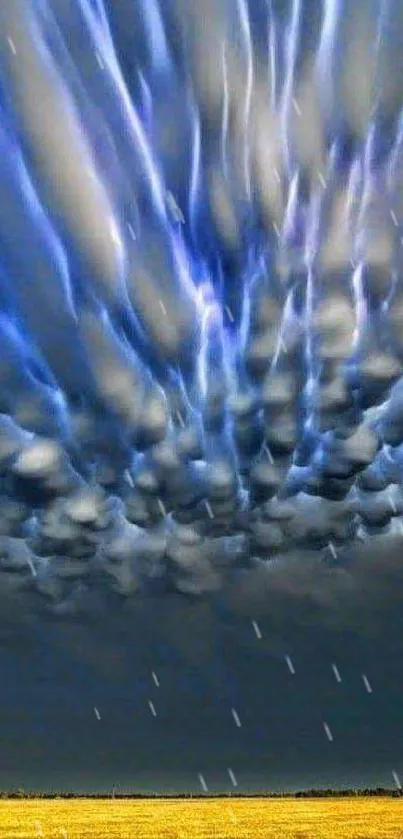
(343, 818)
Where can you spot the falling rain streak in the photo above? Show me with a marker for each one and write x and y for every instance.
(396, 779)
(257, 629)
(236, 718)
(233, 779)
(368, 687)
(290, 665)
(152, 708)
(203, 783)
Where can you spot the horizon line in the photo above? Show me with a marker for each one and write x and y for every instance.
(313, 792)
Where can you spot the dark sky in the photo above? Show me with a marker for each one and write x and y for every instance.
(208, 659)
(133, 167)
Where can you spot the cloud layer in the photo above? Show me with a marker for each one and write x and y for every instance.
(200, 301)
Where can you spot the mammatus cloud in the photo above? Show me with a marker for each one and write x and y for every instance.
(201, 303)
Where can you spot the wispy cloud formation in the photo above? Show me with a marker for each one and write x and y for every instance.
(200, 305)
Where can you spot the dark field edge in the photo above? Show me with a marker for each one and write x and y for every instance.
(310, 793)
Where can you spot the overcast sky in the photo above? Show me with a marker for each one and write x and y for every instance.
(170, 369)
(208, 658)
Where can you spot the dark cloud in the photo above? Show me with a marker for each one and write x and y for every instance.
(200, 393)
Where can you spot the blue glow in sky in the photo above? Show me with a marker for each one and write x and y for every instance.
(201, 409)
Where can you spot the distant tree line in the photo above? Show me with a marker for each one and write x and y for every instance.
(310, 793)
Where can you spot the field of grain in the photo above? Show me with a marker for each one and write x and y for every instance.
(343, 818)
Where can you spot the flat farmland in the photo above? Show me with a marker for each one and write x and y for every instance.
(260, 818)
